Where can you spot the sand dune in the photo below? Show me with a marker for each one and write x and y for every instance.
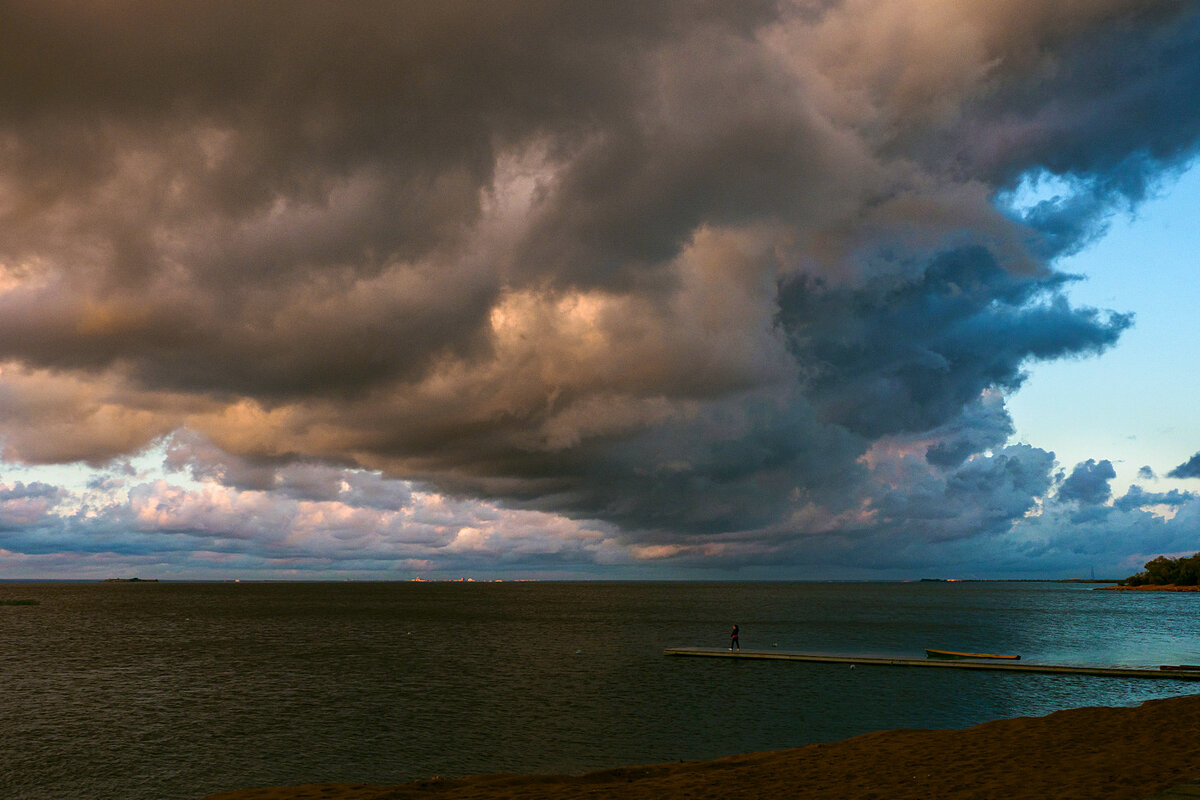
(1086, 753)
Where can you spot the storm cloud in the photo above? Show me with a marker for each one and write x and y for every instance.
(728, 281)
(1088, 483)
(1188, 469)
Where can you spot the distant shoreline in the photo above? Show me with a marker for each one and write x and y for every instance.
(814, 581)
(1151, 587)
(1016, 580)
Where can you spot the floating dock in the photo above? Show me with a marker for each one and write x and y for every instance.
(979, 664)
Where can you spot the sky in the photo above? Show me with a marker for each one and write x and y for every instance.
(808, 289)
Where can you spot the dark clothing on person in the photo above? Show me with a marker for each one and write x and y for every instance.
(733, 639)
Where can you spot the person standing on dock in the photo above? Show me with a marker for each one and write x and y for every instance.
(733, 639)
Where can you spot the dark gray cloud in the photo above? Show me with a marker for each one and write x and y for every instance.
(1188, 469)
(275, 204)
(1104, 103)
(983, 495)
(983, 424)
(1088, 483)
(909, 354)
(720, 275)
(315, 482)
(23, 491)
(1146, 473)
(1137, 497)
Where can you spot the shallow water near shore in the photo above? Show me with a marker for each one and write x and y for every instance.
(173, 690)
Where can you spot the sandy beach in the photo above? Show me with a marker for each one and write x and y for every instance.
(1083, 754)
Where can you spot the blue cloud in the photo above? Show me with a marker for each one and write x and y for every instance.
(1188, 469)
(1088, 483)
(1137, 497)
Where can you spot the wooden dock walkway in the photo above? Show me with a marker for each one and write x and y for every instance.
(887, 661)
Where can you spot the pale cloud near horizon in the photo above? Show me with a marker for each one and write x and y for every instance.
(686, 284)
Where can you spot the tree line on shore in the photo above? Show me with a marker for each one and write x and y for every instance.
(1163, 571)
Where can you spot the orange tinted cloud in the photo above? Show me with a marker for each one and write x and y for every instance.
(674, 266)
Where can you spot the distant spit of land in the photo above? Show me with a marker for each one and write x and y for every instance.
(1152, 587)
(1021, 580)
(1163, 574)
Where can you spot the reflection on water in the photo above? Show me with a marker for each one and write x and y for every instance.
(177, 690)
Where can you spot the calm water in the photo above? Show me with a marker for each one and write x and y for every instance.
(162, 691)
